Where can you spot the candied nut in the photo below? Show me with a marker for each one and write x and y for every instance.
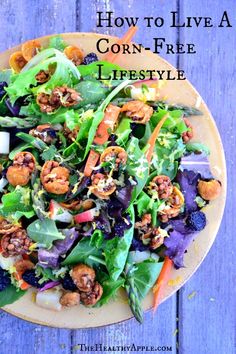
(209, 190)
(146, 220)
(83, 277)
(46, 104)
(18, 175)
(45, 132)
(30, 49)
(22, 265)
(25, 159)
(42, 76)
(102, 185)
(17, 61)
(16, 243)
(115, 155)
(138, 111)
(92, 297)
(23, 166)
(75, 54)
(70, 299)
(66, 96)
(162, 185)
(70, 135)
(176, 199)
(168, 213)
(188, 135)
(6, 227)
(55, 178)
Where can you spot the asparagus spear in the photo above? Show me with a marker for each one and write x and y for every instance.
(10, 122)
(133, 299)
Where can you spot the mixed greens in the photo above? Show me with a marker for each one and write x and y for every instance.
(100, 182)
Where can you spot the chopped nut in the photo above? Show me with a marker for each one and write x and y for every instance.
(92, 297)
(174, 204)
(16, 243)
(162, 185)
(138, 111)
(102, 185)
(70, 299)
(46, 104)
(55, 178)
(42, 76)
(70, 135)
(146, 220)
(209, 190)
(6, 227)
(66, 96)
(114, 154)
(83, 277)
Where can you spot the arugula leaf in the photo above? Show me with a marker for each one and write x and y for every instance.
(123, 131)
(140, 278)
(57, 42)
(110, 287)
(174, 123)
(17, 204)
(44, 232)
(137, 166)
(91, 92)
(10, 294)
(116, 250)
(81, 253)
(49, 153)
(18, 148)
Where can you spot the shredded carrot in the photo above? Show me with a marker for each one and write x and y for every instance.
(126, 39)
(153, 138)
(161, 282)
(103, 131)
(23, 284)
(92, 160)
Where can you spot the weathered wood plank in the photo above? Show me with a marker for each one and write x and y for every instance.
(25, 19)
(20, 21)
(159, 330)
(207, 320)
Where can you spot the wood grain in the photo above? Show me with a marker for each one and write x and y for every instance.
(207, 320)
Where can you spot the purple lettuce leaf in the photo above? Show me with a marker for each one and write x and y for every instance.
(197, 163)
(188, 181)
(50, 258)
(178, 241)
(176, 245)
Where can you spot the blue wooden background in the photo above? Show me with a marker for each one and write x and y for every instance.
(200, 319)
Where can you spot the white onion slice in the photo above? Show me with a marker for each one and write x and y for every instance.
(4, 143)
(49, 299)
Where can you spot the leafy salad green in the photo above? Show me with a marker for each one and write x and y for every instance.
(84, 212)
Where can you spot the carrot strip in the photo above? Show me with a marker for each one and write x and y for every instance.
(107, 124)
(153, 138)
(23, 284)
(103, 131)
(161, 282)
(92, 160)
(126, 39)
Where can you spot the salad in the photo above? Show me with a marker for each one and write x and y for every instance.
(101, 184)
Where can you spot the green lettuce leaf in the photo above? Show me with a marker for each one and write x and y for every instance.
(44, 232)
(17, 203)
(116, 250)
(10, 294)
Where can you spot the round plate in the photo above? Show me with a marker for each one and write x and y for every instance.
(205, 131)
